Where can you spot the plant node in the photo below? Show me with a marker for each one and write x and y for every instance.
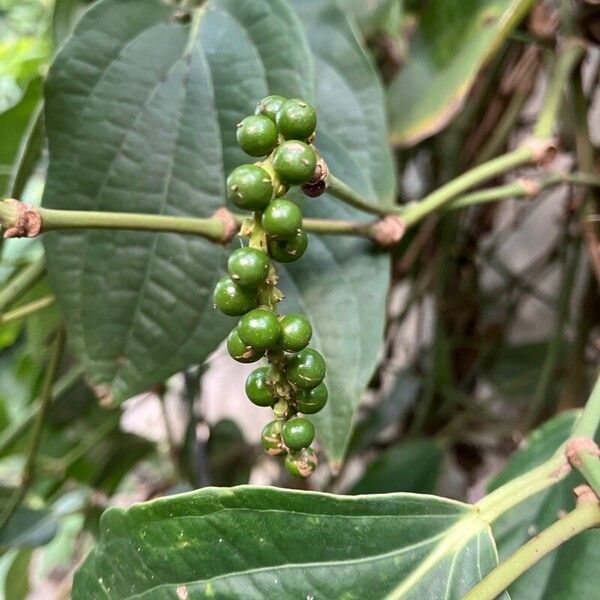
(230, 226)
(388, 231)
(578, 445)
(20, 219)
(584, 494)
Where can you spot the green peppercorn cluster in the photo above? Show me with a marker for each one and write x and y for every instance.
(281, 132)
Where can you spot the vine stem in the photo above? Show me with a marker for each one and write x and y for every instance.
(589, 466)
(572, 254)
(341, 191)
(571, 53)
(217, 229)
(548, 473)
(415, 212)
(27, 309)
(585, 516)
(22, 282)
(28, 473)
(587, 425)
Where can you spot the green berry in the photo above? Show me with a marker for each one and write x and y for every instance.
(271, 439)
(301, 464)
(239, 351)
(250, 187)
(259, 329)
(296, 120)
(298, 433)
(258, 389)
(288, 251)
(231, 299)
(248, 267)
(312, 401)
(296, 332)
(270, 106)
(295, 162)
(282, 219)
(306, 369)
(257, 135)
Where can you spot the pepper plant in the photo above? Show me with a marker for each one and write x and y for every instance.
(385, 139)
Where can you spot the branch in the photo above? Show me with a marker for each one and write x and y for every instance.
(548, 473)
(569, 56)
(30, 461)
(218, 229)
(343, 192)
(385, 231)
(522, 188)
(22, 282)
(588, 422)
(585, 516)
(584, 455)
(27, 309)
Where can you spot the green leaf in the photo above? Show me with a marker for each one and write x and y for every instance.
(453, 41)
(262, 542)
(571, 571)
(141, 115)
(341, 283)
(140, 305)
(410, 467)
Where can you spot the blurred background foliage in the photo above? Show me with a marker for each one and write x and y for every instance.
(493, 314)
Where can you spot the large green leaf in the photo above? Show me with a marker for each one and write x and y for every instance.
(571, 571)
(264, 543)
(341, 283)
(453, 41)
(141, 115)
(139, 305)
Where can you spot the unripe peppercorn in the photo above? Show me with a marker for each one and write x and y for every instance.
(248, 267)
(298, 433)
(296, 120)
(295, 162)
(296, 332)
(306, 369)
(288, 251)
(282, 219)
(270, 106)
(250, 187)
(239, 351)
(231, 299)
(301, 464)
(257, 135)
(258, 389)
(309, 402)
(259, 329)
(271, 439)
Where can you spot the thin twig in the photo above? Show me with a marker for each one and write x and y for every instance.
(27, 309)
(585, 516)
(28, 473)
(22, 282)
